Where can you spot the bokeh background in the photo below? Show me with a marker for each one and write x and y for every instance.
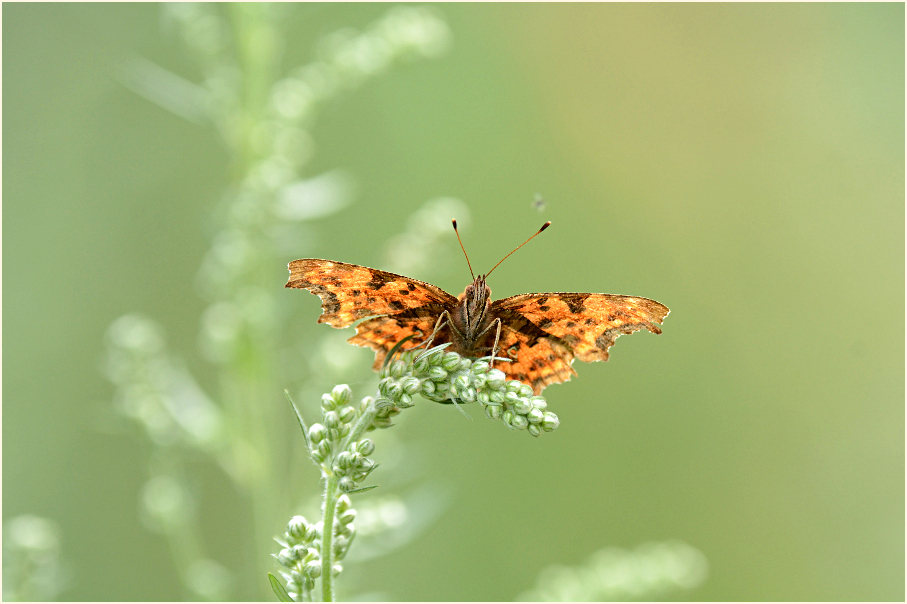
(743, 164)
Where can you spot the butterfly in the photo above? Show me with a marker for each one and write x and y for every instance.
(540, 334)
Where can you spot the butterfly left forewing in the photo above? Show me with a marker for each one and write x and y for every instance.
(350, 292)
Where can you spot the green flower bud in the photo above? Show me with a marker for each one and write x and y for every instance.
(550, 422)
(411, 385)
(480, 367)
(285, 557)
(508, 416)
(468, 395)
(511, 398)
(337, 569)
(428, 387)
(437, 374)
(522, 406)
(299, 552)
(331, 419)
(483, 397)
(534, 430)
(347, 414)
(342, 394)
(324, 449)
(327, 402)
(496, 378)
(344, 460)
(525, 390)
(346, 484)
(497, 397)
(421, 365)
(317, 433)
(519, 422)
(405, 401)
(513, 386)
(347, 516)
(382, 422)
(394, 391)
(461, 382)
(535, 415)
(494, 411)
(313, 569)
(343, 503)
(397, 368)
(539, 402)
(365, 446)
(478, 381)
(451, 361)
(311, 534)
(297, 527)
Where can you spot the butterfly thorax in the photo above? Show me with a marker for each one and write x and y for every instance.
(471, 316)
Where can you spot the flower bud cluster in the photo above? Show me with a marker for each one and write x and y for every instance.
(300, 556)
(351, 463)
(301, 547)
(448, 377)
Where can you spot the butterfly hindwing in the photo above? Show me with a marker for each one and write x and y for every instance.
(382, 333)
(535, 358)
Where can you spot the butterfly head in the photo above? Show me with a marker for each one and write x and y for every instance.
(473, 307)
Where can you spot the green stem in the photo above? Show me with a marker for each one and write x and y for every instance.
(331, 493)
(331, 488)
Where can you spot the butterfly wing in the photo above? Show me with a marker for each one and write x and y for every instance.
(349, 292)
(546, 331)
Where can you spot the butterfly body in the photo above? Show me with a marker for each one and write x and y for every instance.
(540, 333)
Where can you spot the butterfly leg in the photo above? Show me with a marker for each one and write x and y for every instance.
(443, 320)
(496, 325)
(497, 338)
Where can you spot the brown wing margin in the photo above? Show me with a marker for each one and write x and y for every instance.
(350, 292)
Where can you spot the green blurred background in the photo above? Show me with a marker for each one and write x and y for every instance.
(743, 164)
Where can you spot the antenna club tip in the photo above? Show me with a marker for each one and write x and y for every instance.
(545, 226)
(453, 221)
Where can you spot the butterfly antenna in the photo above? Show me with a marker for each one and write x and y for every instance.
(537, 233)
(454, 221)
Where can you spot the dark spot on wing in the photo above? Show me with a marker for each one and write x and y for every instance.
(403, 292)
(378, 280)
(575, 302)
(541, 300)
(397, 305)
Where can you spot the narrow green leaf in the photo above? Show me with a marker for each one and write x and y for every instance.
(362, 489)
(279, 591)
(305, 429)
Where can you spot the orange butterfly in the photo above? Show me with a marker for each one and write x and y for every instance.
(540, 333)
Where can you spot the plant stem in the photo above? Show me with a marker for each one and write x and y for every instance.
(327, 537)
(331, 493)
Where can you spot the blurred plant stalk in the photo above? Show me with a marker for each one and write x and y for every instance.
(264, 118)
